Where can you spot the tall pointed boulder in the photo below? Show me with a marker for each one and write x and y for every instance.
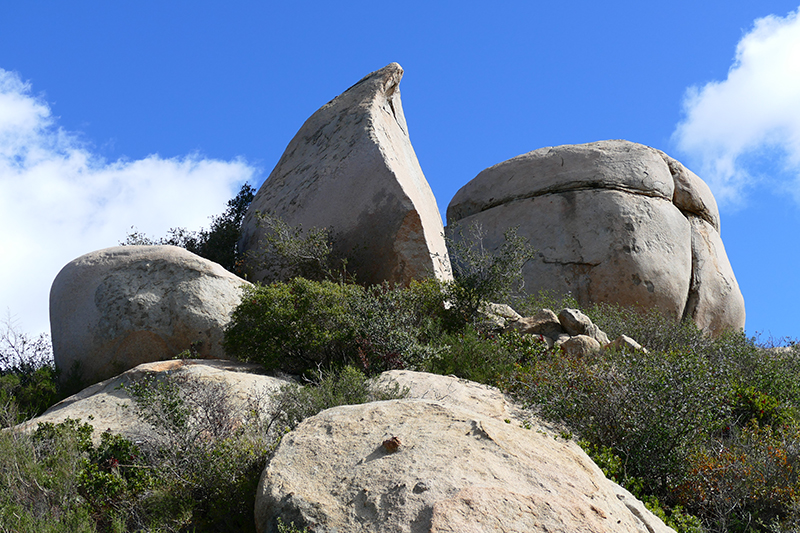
(351, 168)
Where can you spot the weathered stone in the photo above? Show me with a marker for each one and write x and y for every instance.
(692, 195)
(544, 322)
(575, 322)
(452, 391)
(580, 345)
(623, 342)
(113, 309)
(498, 315)
(612, 221)
(107, 406)
(561, 339)
(352, 168)
(715, 300)
(452, 467)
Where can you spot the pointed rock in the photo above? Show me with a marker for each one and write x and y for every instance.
(351, 168)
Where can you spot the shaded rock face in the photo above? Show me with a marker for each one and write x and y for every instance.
(455, 469)
(107, 406)
(351, 168)
(113, 309)
(612, 221)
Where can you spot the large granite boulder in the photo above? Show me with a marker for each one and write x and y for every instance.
(351, 168)
(457, 460)
(116, 308)
(612, 221)
(107, 406)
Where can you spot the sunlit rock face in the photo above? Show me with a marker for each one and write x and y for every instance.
(351, 168)
(612, 221)
(116, 308)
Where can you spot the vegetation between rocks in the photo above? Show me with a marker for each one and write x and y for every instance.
(706, 431)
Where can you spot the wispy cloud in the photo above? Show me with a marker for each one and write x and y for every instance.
(59, 200)
(752, 115)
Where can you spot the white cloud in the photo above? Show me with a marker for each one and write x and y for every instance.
(754, 113)
(59, 201)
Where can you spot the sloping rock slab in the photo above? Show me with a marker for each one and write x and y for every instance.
(452, 467)
(352, 168)
(455, 392)
(116, 308)
(107, 406)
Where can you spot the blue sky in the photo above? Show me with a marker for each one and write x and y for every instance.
(152, 114)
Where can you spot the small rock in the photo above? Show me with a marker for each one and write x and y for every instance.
(544, 322)
(576, 323)
(580, 345)
(623, 342)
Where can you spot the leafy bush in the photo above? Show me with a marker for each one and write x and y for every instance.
(650, 409)
(349, 386)
(285, 252)
(300, 325)
(294, 326)
(485, 358)
(39, 479)
(207, 453)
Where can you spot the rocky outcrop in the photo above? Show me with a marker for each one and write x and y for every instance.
(452, 465)
(351, 168)
(116, 308)
(108, 406)
(612, 221)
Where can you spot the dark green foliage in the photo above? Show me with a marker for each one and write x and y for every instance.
(650, 409)
(219, 243)
(295, 326)
(206, 456)
(348, 386)
(485, 358)
(28, 377)
(39, 479)
(300, 325)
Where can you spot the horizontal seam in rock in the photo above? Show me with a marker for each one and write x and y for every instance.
(576, 263)
(563, 189)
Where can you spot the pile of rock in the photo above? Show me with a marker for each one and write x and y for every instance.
(570, 329)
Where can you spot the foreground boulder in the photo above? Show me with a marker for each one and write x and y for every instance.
(351, 168)
(113, 309)
(108, 406)
(612, 221)
(438, 465)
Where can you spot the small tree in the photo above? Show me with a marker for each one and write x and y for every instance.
(219, 243)
(482, 275)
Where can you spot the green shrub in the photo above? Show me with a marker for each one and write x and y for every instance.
(485, 358)
(348, 386)
(28, 376)
(206, 454)
(295, 326)
(650, 409)
(285, 252)
(39, 479)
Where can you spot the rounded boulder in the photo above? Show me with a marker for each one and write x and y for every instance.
(117, 308)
